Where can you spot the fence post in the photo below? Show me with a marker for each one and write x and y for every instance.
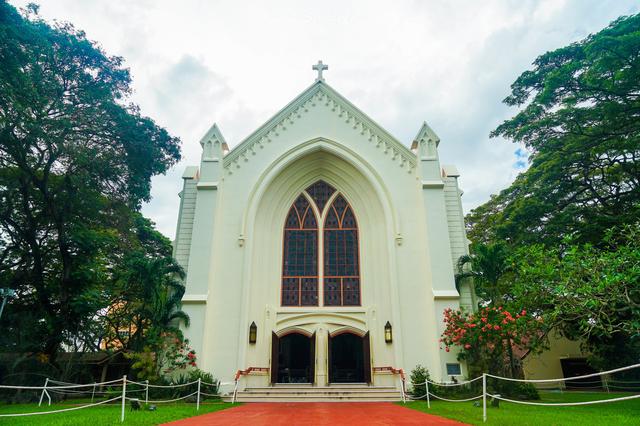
(428, 399)
(124, 396)
(198, 399)
(146, 392)
(46, 382)
(484, 397)
(93, 392)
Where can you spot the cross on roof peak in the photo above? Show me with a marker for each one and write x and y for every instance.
(320, 67)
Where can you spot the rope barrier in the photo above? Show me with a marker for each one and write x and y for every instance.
(62, 410)
(578, 384)
(561, 404)
(165, 400)
(447, 384)
(586, 376)
(58, 387)
(71, 392)
(66, 388)
(163, 386)
(456, 400)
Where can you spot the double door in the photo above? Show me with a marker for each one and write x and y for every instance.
(293, 358)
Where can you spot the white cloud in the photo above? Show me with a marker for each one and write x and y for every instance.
(237, 62)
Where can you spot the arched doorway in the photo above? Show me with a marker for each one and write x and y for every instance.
(349, 358)
(293, 358)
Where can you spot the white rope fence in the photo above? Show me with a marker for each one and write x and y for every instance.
(74, 389)
(428, 395)
(564, 404)
(61, 410)
(606, 383)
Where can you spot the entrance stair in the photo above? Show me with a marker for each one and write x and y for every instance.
(308, 393)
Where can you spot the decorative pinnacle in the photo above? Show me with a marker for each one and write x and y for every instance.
(320, 67)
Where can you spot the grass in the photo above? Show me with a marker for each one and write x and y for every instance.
(104, 415)
(615, 413)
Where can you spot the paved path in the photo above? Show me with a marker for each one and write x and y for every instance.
(316, 413)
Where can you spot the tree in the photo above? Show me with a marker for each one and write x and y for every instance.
(76, 161)
(580, 121)
(486, 338)
(588, 293)
(145, 293)
(488, 269)
(485, 266)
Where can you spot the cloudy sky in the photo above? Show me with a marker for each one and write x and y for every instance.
(196, 62)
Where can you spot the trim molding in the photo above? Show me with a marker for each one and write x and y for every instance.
(429, 184)
(445, 294)
(317, 94)
(207, 185)
(195, 298)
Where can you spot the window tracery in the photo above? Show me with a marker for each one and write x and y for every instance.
(302, 245)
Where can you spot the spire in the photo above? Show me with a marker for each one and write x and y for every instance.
(425, 145)
(424, 134)
(213, 144)
(214, 147)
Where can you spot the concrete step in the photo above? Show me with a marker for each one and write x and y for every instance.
(291, 393)
(320, 390)
(310, 399)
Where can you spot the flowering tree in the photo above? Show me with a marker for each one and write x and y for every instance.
(167, 354)
(488, 338)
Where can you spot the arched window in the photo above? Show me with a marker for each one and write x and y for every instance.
(341, 269)
(341, 262)
(300, 259)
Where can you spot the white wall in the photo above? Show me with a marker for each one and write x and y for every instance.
(236, 250)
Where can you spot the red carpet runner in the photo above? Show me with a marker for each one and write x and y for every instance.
(316, 413)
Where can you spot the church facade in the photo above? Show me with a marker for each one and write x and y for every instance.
(320, 249)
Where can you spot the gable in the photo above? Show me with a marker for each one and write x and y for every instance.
(320, 92)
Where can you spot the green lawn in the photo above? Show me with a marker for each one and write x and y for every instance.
(105, 414)
(615, 413)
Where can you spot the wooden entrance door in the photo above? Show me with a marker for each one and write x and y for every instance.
(312, 359)
(293, 358)
(275, 352)
(349, 358)
(366, 349)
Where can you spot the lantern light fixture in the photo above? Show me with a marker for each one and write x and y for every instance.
(388, 333)
(253, 333)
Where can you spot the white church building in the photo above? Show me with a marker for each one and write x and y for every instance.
(320, 250)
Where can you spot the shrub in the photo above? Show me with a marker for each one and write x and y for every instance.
(517, 390)
(419, 375)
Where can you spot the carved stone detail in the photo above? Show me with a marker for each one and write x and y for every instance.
(320, 96)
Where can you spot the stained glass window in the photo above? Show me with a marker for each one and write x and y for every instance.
(300, 256)
(300, 253)
(341, 255)
(320, 192)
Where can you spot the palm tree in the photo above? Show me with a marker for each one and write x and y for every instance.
(167, 313)
(485, 267)
(154, 294)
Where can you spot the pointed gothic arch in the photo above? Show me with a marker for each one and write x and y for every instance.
(300, 255)
(303, 240)
(341, 255)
